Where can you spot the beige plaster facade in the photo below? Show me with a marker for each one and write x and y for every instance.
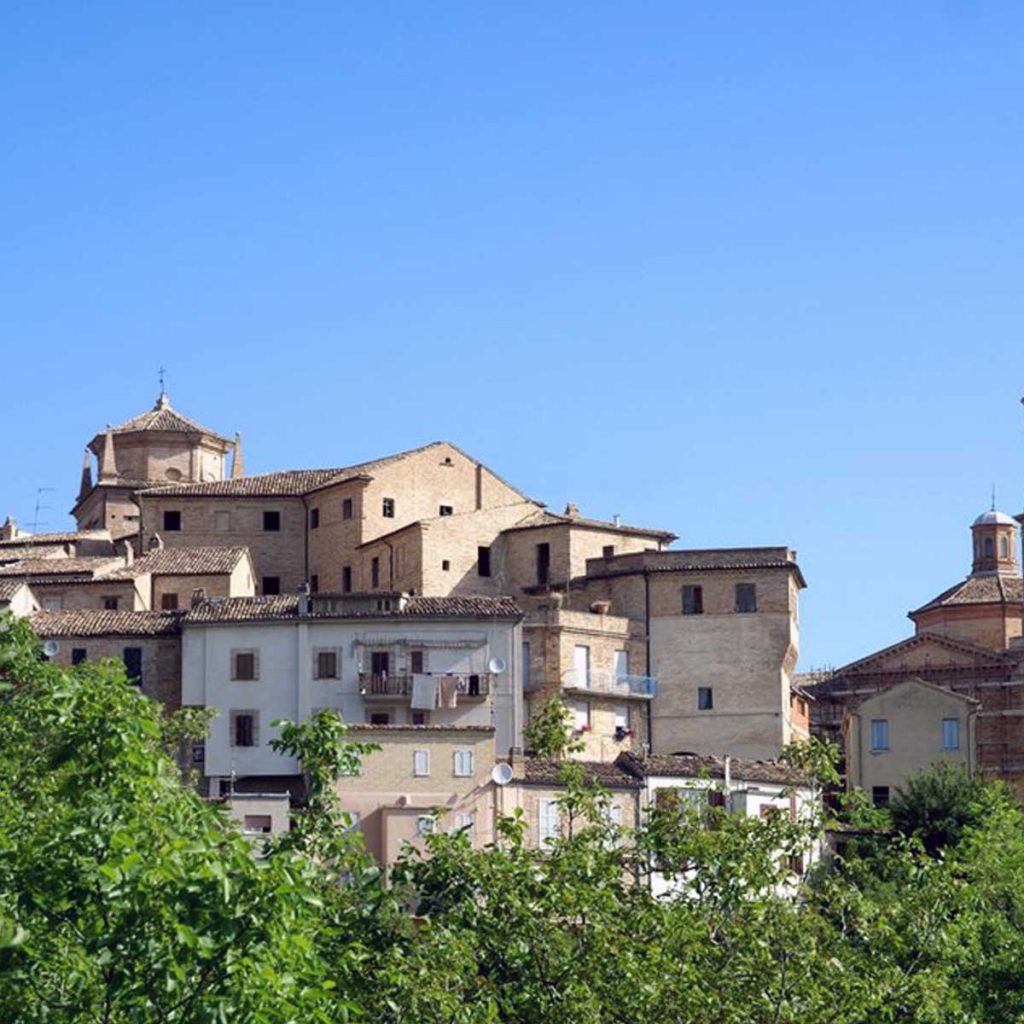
(904, 729)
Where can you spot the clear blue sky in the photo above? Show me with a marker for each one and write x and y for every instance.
(751, 272)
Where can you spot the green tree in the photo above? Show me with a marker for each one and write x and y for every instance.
(937, 805)
(549, 735)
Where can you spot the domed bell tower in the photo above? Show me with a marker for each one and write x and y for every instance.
(995, 544)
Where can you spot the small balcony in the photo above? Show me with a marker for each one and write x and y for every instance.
(602, 684)
(383, 686)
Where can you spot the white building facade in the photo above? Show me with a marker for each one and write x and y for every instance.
(381, 659)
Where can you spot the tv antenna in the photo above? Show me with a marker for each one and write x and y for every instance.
(33, 526)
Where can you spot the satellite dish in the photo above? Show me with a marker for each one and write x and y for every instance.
(497, 665)
(501, 774)
(51, 648)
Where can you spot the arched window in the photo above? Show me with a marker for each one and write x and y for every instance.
(1004, 548)
(990, 548)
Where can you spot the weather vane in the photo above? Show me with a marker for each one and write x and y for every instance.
(161, 372)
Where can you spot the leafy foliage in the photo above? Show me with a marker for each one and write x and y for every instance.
(125, 897)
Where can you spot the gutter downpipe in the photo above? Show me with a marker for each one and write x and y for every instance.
(647, 655)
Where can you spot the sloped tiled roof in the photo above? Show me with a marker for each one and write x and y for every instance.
(40, 551)
(164, 418)
(286, 606)
(695, 766)
(698, 560)
(994, 589)
(33, 539)
(184, 562)
(98, 622)
(8, 588)
(543, 517)
(288, 483)
(540, 772)
(49, 567)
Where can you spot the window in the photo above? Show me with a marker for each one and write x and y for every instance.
(581, 665)
(608, 551)
(387, 509)
(795, 863)
(374, 573)
(483, 561)
(549, 823)
(465, 821)
(172, 521)
(346, 508)
(951, 734)
(580, 711)
(426, 825)
(169, 602)
(445, 510)
(271, 521)
(621, 721)
(314, 584)
(256, 824)
(880, 795)
(693, 600)
(222, 521)
(445, 565)
(416, 662)
(110, 603)
(78, 655)
(621, 664)
(243, 729)
(420, 717)
(989, 547)
(1004, 548)
(271, 585)
(462, 763)
(746, 597)
(380, 718)
(421, 763)
(52, 604)
(245, 665)
(133, 664)
(705, 698)
(879, 734)
(543, 563)
(526, 665)
(346, 579)
(326, 665)
(314, 518)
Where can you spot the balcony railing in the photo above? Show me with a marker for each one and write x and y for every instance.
(385, 686)
(602, 684)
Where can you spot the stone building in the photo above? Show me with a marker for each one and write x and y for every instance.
(968, 641)
(155, 447)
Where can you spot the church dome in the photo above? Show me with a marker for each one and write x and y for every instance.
(994, 518)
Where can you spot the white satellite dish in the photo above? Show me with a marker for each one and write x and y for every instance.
(51, 648)
(497, 665)
(501, 774)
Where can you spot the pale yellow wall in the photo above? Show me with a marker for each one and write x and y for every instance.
(529, 796)
(914, 713)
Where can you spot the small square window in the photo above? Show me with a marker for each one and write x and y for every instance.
(271, 585)
(693, 600)
(271, 521)
(445, 565)
(78, 655)
(705, 698)
(421, 763)
(169, 602)
(880, 795)
(608, 551)
(172, 521)
(426, 825)
(110, 604)
(326, 664)
(483, 561)
(346, 579)
(314, 518)
(746, 597)
(388, 508)
(346, 508)
(244, 666)
(420, 717)
(445, 510)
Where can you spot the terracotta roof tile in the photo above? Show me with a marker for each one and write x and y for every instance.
(184, 562)
(695, 766)
(993, 589)
(32, 568)
(165, 418)
(543, 517)
(97, 622)
(8, 588)
(696, 560)
(539, 772)
(286, 606)
(31, 539)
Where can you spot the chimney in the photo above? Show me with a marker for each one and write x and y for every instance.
(572, 510)
(86, 485)
(108, 465)
(237, 462)
(198, 597)
(617, 519)
(9, 530)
